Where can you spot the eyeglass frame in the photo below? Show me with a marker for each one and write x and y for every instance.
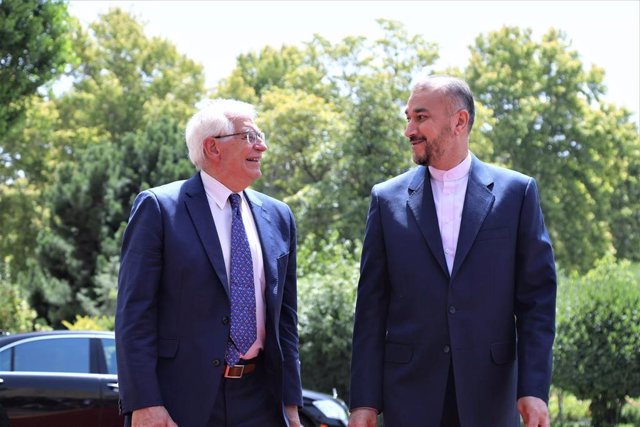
(256, 135)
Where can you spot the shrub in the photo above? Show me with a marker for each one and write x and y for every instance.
(597, 350)
(91, 323)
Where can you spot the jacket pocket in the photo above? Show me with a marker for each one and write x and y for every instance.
(397, 353)
(503, 352)
(167, 348)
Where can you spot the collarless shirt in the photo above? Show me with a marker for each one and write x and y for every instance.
(220, 206)
(449, 188)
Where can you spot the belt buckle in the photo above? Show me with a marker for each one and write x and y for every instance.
(232, 371)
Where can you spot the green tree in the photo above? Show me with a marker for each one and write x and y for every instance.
(597, 349)
(264, 70)
(89, 205)
(20, 221)
(35, 47)
(40, 146)
(334, 114)
(624, 219)
(305, 130)
(326, 293)
(15, 313)
(80, 203)
(119, 129)
(550, 123)
(121, 72)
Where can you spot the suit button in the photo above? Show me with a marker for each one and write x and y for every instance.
(452, 309)
(216, 362)
(225, 320)
(446, 349)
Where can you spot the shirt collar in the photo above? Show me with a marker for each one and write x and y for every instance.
(458, 172)
(215, 189)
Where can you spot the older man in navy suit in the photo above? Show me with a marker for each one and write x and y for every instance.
(455, 312)
(206, 323)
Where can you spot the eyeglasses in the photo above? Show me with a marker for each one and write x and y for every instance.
(252, 136)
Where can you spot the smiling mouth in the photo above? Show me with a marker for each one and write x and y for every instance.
(254, 159)
(416, 140)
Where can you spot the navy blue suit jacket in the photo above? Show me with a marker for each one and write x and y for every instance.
(492, 317)
(173, 306)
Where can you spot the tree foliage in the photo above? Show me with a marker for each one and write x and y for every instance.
(15, 313)
(121, 72)
(333, 115)
(597, 350)
(327, 291)
(117, 130)
(35, 47)
(550, 123)
(81, 202)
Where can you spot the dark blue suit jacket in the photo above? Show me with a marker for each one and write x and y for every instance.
(492, 317)
(173, 306)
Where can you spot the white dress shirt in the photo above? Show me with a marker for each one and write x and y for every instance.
(218, 198)
(449, 188)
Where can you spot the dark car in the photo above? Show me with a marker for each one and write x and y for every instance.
(69, 379)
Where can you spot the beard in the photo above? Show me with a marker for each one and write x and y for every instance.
(433, 148)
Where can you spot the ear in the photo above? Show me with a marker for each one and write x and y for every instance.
(211, 148)
(461, 121)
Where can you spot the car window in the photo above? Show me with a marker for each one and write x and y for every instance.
(109, 347)
(53, 355)
(5, 360)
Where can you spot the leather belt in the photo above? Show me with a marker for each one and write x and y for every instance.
(238, 371)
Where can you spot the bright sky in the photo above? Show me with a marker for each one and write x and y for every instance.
(214, 33)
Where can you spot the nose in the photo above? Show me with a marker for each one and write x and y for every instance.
(261, 145)
(410, 130)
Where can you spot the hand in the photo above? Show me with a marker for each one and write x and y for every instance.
(363, 417)
(292, 414)
(534, 412)
(153, 416)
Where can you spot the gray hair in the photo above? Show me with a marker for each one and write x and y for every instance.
(457, 90)
(213, 119)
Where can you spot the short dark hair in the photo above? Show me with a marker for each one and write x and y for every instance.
(453, 88)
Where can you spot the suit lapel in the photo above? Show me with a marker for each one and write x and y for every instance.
(477, 204)
(264, 227)
(200, 213)
(423, 207)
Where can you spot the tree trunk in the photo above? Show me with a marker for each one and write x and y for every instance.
(605, 412)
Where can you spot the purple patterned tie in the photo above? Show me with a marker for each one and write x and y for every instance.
(242, 288)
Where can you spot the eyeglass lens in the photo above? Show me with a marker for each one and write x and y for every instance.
(253, 137)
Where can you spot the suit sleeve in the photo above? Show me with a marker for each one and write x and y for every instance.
(367, 361)
(535, 299)
(288, 327)
(136, 312)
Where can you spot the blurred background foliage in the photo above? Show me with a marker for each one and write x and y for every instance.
(72, 161)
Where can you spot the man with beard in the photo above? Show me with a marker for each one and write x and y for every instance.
(454, 320)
